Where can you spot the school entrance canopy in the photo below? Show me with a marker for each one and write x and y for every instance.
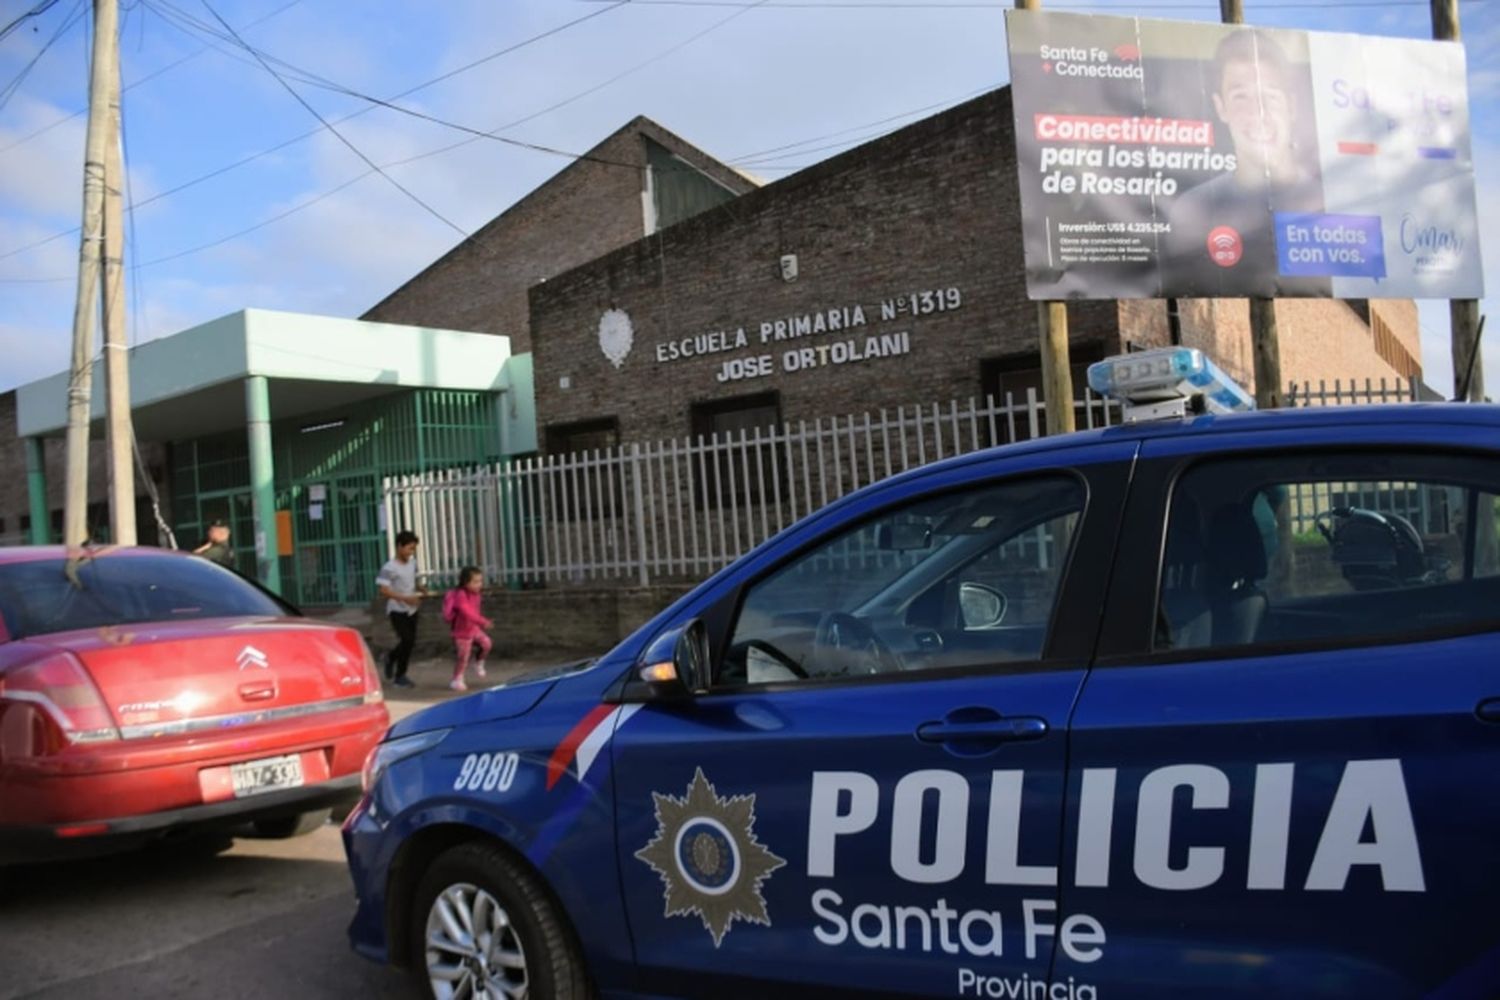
(284, 424)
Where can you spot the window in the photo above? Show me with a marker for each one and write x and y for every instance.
(583, 435)
(36, 597)
(602, 495)
(1016, 374)
(965, 579)
(731, 420)
(1330, 548)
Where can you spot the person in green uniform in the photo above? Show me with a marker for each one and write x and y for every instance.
(217, 548)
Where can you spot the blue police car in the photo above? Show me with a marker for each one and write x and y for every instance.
(1203, 706)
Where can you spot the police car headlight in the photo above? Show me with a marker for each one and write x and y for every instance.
(392, 751)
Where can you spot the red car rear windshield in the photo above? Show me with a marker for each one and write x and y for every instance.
(37, 598)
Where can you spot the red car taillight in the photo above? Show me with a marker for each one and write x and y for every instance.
(62, 691)
(373, 691)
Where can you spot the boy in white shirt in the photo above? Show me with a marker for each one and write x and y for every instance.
(397, 583)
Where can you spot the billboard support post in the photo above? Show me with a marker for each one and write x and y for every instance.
(1265, 339)
(1463, 314)
(1052, 341)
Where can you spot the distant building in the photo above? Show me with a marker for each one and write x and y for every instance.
(889, 275)
(639, 180)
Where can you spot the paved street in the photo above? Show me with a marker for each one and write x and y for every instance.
(258, 918)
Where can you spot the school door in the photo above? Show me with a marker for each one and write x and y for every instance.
(337, 540)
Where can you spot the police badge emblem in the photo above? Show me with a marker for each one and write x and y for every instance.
(708, 858)
(616, 336)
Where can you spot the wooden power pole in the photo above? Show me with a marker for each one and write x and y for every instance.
(1265, 339)
(1463, 314)
(118, 436)
(1052, 329)
(80, 375)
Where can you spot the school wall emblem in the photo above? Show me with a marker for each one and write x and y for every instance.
(707, 856)
(616, 336)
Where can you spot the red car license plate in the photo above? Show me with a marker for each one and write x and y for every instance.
(269, 775)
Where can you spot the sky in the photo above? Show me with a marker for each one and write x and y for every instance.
(306, 225)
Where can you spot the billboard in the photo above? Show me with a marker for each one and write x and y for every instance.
(1178, 159)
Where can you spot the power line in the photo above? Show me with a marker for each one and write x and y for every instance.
(475, 135)
(143, 80)
(337, 134)
(187, 24)
(243, 161)
(308, 203)
(745, 157)
(768, 159)
(36, 11)
(137, 312)
(769, 162)
(15, 85)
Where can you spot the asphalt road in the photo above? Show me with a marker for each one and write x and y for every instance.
(255, 918)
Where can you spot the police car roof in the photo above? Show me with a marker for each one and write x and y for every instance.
(1364, 415)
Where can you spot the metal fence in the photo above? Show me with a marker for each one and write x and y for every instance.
(681, 508)
(1352, 392)
(1425, 506)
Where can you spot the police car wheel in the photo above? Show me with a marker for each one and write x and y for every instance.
(482, 926)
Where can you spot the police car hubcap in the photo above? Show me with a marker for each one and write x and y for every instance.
(472, 948)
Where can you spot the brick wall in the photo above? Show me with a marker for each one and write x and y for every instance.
(583, 621)
(1328, 340)
(1321, 339)
(14, 502)
(592, 206)
(928, 208)
(933, 206)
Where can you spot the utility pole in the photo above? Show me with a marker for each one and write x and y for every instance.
(119, 440)
(1265, 339)
(1463, 314)
(81, 374)
(1052, 330)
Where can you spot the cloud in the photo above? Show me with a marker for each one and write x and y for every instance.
(43, 177)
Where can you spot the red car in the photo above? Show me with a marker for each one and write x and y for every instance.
(146, 692)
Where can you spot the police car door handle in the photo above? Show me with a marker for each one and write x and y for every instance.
(988, 730)
(1489, 710)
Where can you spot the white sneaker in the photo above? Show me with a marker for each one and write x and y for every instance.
(458, 685)
(479, 670)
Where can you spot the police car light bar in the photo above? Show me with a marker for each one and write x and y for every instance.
(1167, 382)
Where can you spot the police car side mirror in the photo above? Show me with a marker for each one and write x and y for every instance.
(674, 666)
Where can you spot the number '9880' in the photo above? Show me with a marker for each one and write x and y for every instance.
(487, 772)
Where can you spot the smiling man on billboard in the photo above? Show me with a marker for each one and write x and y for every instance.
(1225, 224)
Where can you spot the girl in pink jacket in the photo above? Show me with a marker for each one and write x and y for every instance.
(461, 612)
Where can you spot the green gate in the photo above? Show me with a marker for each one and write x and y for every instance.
(331, 532)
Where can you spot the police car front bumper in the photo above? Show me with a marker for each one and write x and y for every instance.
(367, 931)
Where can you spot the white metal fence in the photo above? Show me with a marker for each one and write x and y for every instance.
(1352, 392)
(1425, 506)
(680, 508)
